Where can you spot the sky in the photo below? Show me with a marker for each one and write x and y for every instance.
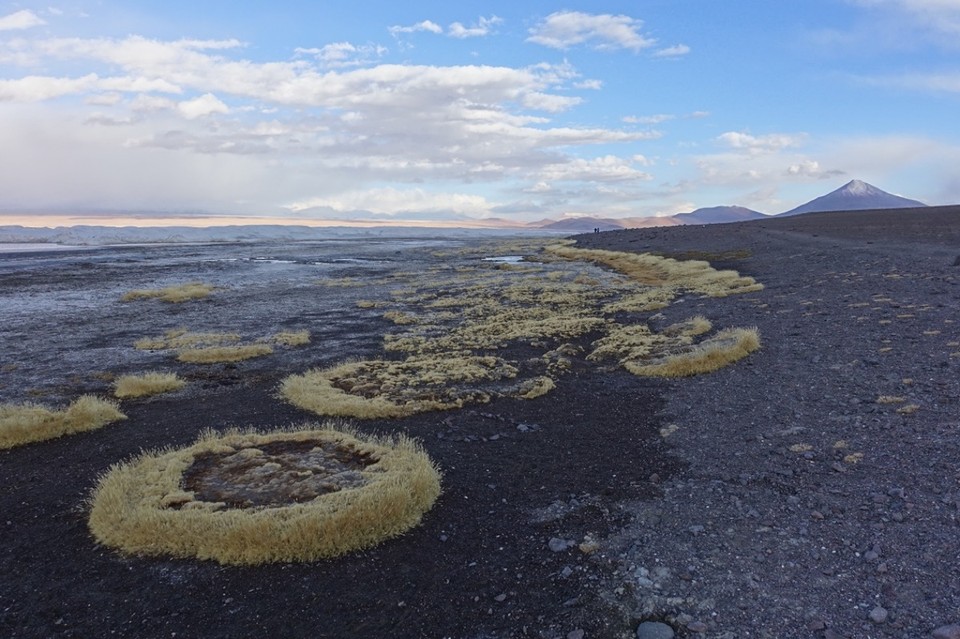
(440, 111)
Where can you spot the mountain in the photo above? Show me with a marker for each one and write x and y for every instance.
(583, 224)
(718, 214)
(855, 196)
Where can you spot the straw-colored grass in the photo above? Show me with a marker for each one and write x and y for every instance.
(182, 338)
(714, 353)
(536, 387)
(377, 389)
(222, 354)
(146, 384)
(173, 294)
(27, 423)
(653, 270)
(891, 399)
(294, 495)
(290, 338)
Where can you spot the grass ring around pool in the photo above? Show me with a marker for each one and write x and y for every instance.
(245, 497)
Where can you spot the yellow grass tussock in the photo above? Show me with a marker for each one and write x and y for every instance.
(652, 270)
(182, 338)
(146, 384)
(714, 353)
(375, 389)
(290, 338)
(220, 354)
(27, 423)
(173, 294)
(252, 498)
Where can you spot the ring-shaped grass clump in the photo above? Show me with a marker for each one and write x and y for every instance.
(244, 497)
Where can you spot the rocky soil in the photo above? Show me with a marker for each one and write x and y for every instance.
(809, 490)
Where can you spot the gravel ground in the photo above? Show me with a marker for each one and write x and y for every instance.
(810, 509)
(774, 498)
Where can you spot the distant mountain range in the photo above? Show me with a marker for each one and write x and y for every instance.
(853, 196)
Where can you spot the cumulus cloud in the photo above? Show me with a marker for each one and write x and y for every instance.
(762, 143)
(565, 29)
(206, 104)
(311, 129)
(649, 119)
(811, 169)
(393, 201)
(676, 51)
(483, 27)
(344, 54)
(425, 25)
(23, 19)
(608, 168)
(33, 88)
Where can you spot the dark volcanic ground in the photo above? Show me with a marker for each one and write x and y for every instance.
(774, 498)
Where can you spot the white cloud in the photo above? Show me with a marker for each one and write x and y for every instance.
(565, 29)
(23, 19)
(649, 119)
(392, 201)
(425, 25)
(676, 51)
(104, 99)
(483, 27)
(761, 144)
(591, 85)
(811, 169)
(33, 88)
(151, 103)
(206, 104)
(608, 168)
(345, 54)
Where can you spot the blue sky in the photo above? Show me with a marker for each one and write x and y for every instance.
(436, 111)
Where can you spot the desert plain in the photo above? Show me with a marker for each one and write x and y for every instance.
(809, 489)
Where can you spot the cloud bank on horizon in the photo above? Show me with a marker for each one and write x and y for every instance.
(377, 111)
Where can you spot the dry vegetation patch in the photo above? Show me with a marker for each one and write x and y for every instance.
(146, 384)
(252, 498)
(383, 388)
(27, 423)
(220, 354)
(446, 323)
(173, 294)
(212, 348)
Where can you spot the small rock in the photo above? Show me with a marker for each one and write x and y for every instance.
(559, 545)
(654, 630)
(576, 634)
(697, 626)
(696, 530)
(501, 597)
(566, 572)
(816, 624)
(870, 556)
(879, 615)
(947, 632)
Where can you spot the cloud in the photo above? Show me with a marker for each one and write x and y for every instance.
(676, 51)
(33, 88)
(565, 29)
(344, 54)
(23, 19)
(649, 119)
(941, 16)
(425, 25)
(393, 201)
(811, 169)
(206, 104)
(760, 144)
(608, 168)
(313, 129)
(483, 27)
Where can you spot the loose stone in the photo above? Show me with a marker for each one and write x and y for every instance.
(654, 630)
